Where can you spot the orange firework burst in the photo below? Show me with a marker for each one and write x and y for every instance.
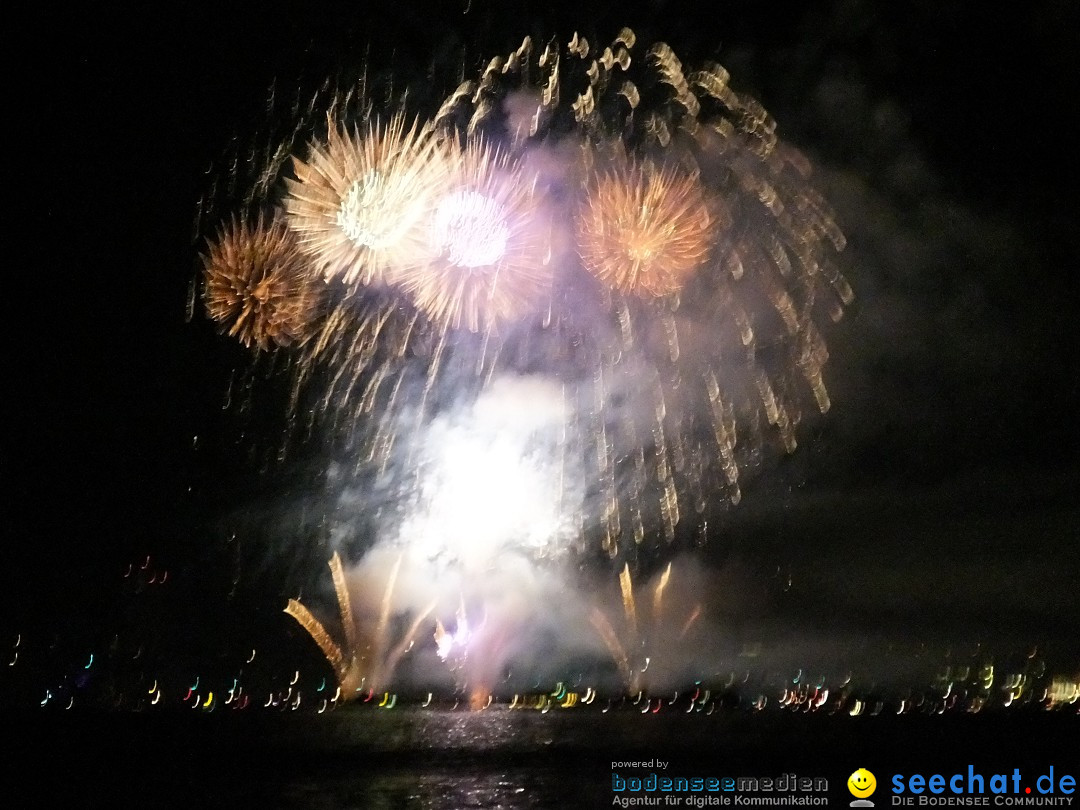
(360, 203)
(644, 230)
(486, 238)
(257, 283)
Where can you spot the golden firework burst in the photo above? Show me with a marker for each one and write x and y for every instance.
(487, 244)
(359, 205)
(258, 284)
(644, 230)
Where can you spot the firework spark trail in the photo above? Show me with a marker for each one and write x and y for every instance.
(611, 641)
(626, 585)
(405, 644)
(345, 663)
(315, 629)
(341, 590)
(691, 620)
(383, 626)
(658, 598)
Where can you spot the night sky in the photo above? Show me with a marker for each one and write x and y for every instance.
(938, 498)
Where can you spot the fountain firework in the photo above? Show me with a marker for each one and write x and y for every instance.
(365, 660)
(643, 639)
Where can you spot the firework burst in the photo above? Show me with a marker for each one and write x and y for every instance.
(678, 317)
(486, 237)
(561, 318)
(644, 230)
(360, 202)
(257, 285)
(713, 255)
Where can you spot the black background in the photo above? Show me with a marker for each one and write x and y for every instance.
(960, 419)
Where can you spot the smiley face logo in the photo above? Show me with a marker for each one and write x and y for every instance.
(861, 783)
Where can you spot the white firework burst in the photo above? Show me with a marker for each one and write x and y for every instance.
(489, 261)
(361, 202)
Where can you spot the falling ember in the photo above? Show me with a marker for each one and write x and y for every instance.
(257, 284)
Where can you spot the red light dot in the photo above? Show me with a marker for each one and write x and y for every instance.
(1027, 790)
